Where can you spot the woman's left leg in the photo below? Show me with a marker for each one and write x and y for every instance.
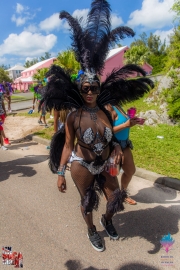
(128, 171)
(115, 198)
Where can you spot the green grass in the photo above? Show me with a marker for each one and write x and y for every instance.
(15, 98)
(158, 155)
(46, 133)
(35, 114)
(142, 106)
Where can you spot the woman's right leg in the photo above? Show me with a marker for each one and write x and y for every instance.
(82, 179)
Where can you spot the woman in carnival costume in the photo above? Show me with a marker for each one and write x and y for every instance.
(7, 90)
(91, 124)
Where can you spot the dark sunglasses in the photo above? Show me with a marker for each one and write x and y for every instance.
(92, 88)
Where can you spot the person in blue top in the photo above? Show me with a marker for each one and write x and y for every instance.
(121, 127)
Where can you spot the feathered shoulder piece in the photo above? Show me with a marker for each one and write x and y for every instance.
(61, 92)
(122, 85)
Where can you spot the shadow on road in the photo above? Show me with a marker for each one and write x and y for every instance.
(136, 266)
(76, 265)
(151, 224)
(20, 166)
(168, 195)
(16, 146)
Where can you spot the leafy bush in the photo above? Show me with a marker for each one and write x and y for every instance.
(172, 95)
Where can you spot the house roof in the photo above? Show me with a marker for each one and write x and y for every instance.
(23, 80)
(35, 66)
(115, 51)
(16, 67)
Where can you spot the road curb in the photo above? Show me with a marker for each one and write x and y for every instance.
(38, 139)
(142, 173)
(158, 178)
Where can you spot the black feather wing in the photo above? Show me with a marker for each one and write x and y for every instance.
(118, 88)
(61, 92)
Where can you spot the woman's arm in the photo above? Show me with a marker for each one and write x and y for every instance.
(129, 123)
(4, 108)
(34, 100)
(67, 150)
(56, 117)
(69, 141)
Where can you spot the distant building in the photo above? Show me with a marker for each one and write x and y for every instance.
(115, 59)
(22, 83)
(15, 71)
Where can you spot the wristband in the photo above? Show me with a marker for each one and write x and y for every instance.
(60, 173)
(61, 170)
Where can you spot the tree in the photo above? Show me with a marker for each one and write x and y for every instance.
(67, 61)
(137, 55)
(29, 63)
(4, 76)
(155, 45)
(40, 74)
(174, 50)
(172, 95)
(141, 41)
(46, 56)
(5, 66)
(176, 8)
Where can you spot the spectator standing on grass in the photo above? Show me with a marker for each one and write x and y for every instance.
(59, 119)
(3, 138)
(121, 127)
(42, 109)
(7, 94)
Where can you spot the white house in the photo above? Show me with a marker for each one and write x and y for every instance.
(15, 71)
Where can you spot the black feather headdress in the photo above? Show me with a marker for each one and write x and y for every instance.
(91, 44)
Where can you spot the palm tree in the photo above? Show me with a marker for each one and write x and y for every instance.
(40, 74)
(67, 61)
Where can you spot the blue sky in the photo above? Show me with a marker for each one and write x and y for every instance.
(29, 28)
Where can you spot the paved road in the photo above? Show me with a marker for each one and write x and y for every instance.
(25, 95)
(16, 106)
(47, 227)
(22, 105)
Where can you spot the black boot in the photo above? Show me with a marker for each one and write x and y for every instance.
(108, 226)
(95, 239)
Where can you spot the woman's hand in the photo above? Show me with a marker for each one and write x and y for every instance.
(61, 183)
(118, 155)
(131, 122)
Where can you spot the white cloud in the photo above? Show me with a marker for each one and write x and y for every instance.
(51, 23)
(164, 35)
(19, 20)
(22, 15)
(19, 8)
(116, 21)
(82, 13)
(31, 28)
(153, 14)
(27, 43)
(78, 13)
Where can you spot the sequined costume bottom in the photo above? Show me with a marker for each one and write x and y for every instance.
(93, 180)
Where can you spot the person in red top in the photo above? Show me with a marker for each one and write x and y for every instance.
(2, 119)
